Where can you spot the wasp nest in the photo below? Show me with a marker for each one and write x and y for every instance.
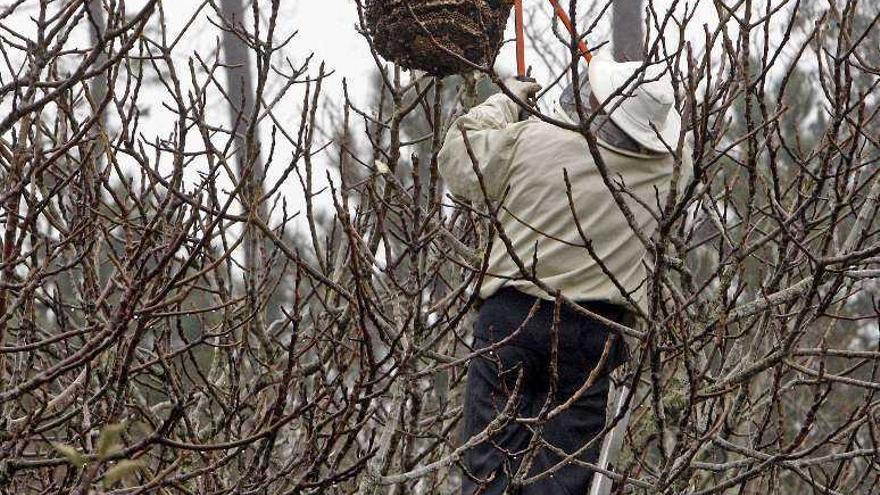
(435, 35)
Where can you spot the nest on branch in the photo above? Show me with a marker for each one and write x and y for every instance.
(434, 35)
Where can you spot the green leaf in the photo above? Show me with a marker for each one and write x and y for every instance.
(75, 457)
(120, 470)
(108, 441)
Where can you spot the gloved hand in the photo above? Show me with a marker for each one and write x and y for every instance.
(523, 90)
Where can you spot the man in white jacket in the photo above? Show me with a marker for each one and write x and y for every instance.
(593, 255)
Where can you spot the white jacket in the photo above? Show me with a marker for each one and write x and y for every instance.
(529, 157)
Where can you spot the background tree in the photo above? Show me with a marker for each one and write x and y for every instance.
(134, 357)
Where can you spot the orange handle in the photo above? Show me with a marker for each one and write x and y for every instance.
(520, 39)
(566, 21)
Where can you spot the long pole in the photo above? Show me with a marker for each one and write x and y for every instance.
(520, 39)
(566, 21)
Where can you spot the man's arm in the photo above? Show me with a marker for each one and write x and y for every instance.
(486, 127)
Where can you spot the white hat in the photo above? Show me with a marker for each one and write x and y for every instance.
(647, 100)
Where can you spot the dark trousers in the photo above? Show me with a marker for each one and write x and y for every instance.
(492, 377)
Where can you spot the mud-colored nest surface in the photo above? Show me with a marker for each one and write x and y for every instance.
(431, 35)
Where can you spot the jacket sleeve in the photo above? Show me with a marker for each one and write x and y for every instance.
(486, 127)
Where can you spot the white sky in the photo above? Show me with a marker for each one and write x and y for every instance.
(327, 29)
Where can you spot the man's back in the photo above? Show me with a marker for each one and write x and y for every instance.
(529, 160)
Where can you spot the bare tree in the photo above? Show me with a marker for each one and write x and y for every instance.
(131, 362)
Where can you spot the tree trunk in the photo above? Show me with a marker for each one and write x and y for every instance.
(240, 89)
(96, 31)
(626, 30)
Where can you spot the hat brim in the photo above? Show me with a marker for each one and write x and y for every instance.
(605, 77)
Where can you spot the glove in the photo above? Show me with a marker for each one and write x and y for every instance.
(523, 90)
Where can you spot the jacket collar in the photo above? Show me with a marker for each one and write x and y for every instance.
(562, 115)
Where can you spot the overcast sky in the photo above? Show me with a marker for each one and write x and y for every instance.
(326, 28)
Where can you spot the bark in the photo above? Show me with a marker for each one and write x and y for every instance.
(240, 89)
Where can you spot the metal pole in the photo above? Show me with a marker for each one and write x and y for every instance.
(617, 395)
(627, 32)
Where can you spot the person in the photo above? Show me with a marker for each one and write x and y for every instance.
(541, 360)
